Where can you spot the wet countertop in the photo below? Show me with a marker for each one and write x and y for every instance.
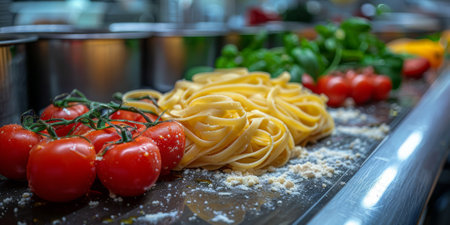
(197, 196)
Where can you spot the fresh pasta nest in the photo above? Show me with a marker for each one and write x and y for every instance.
(241, 120)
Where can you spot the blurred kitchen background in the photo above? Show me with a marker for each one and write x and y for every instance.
(98, 13)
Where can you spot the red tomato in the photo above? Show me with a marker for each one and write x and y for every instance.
(350, 75)
(130, 168)
(382, 87)
(69, 113)
(308, 82)
(81, 129)
(132, 116)
(415, 67)
(335, 88)
(361, 89)
(15, 145)
(101, 137)
(61, 170)
(170, 139)
(368, 71)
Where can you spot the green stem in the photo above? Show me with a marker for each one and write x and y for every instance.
(335, 62)
(98, 116)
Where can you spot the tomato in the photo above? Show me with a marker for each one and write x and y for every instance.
(415, 67)
(130, 168)
(69, 113)
(336, 88)
(350, 75)
(382, 87)
(361, 89)
(61, 170)
(308, 82)
(99, 138)
(368, 71)
(81, 129)
(15, 145)
(170, 139)
(132, 116)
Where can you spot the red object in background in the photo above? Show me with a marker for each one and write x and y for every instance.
(308, 82)
(415, 67)
(336, 88)
(257, 16)
(362, 88)
(383, 86)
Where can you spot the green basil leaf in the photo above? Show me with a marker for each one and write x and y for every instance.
(307, 60)
(230, 51)
(296, 73)
(356, 24)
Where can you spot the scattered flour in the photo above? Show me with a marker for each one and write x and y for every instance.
(320, 163)
(155, 218)
(93, 204)
(280, 183)
(239, 178)
(26, 197)
(376, 133)
(346, 114)
(221, 217)
(312, 170)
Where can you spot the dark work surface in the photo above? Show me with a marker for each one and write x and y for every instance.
(197, 197)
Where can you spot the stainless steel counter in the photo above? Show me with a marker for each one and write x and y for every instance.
(388, 184)
(395, 183)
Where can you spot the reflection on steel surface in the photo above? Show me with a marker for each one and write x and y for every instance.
(13, 78)
(375, 193)
(97, 64)
(353, 221)
(172, 50)
(408, 147)
(169, 58)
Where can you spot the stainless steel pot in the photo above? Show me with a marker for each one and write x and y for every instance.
(98, 63)
(392, 26)
(171, 50)
(13, 77)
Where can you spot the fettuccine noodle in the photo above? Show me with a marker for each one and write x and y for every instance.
(241, 120)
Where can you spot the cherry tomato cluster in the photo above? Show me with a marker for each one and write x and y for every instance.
(74, 141)
(362, 86)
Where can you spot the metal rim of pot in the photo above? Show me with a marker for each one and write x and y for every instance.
(167, 29)
(8, 39)
(70, 32)
(96, 35)
(37, 28)
(405, 22)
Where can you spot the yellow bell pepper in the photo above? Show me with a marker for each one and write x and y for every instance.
(445, 40)
(433, 51)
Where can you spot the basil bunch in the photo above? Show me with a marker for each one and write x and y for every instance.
(348, 45)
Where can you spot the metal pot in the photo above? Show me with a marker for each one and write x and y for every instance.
(96, 62)
(172, 50)
(392, 26)
(13, 77)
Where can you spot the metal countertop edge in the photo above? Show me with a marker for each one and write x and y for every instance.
(394, 184)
